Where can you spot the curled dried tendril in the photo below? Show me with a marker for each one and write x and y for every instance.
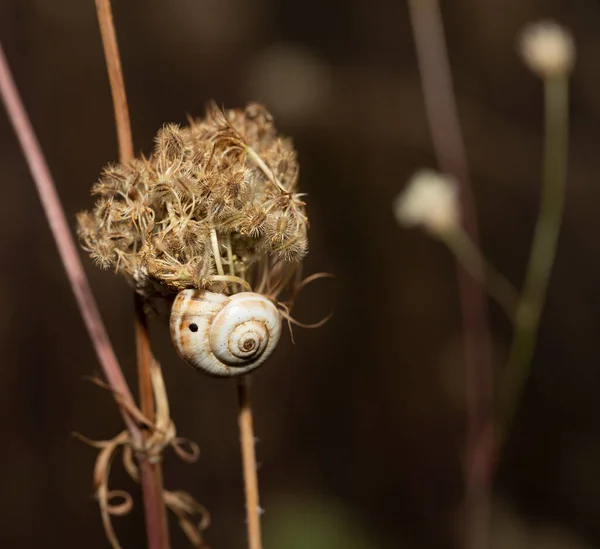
(285, 307)
(191, 515)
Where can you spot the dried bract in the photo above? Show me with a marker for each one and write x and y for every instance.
(214, 197)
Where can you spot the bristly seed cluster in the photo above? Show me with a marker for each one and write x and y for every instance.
(216, 195)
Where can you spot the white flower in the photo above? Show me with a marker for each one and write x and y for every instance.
(547, 49)
(430, 199)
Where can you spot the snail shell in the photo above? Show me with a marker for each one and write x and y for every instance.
(224, 335)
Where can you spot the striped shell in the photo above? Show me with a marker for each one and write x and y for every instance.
(224, 335)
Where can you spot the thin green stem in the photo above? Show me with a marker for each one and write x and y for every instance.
(543, 251)
(493, 281)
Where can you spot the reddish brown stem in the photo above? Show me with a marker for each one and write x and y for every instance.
(144, 357)
(115, 76)
(151, 474)
(64, 241)
(444, 125)
(247, 443)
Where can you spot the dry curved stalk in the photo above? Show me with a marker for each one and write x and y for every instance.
(233, 280)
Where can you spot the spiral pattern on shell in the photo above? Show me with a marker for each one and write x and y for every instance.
(224, 335)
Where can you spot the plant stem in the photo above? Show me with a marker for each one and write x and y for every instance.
(490, 279)
(436, 79)
(543, 250)
(247, 443)
(216, 251)
(115, 76)
(144, 356)
(66, 246)
(151, 475)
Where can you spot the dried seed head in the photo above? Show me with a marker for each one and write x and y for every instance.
(229, 174)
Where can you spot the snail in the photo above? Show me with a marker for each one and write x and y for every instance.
(224, 335)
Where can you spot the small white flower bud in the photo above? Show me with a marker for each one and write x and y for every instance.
(547, 49)
(430, 199)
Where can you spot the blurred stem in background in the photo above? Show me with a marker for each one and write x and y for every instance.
(430, 200)
(548, 51)
(472, 259)
(436, 79)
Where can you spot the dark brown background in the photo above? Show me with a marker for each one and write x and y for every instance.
(361, 422)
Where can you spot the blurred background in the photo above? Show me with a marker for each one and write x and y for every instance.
(361, 423)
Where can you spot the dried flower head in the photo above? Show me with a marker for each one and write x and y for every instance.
(215, 198)
(547, 49)
(430, 199)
